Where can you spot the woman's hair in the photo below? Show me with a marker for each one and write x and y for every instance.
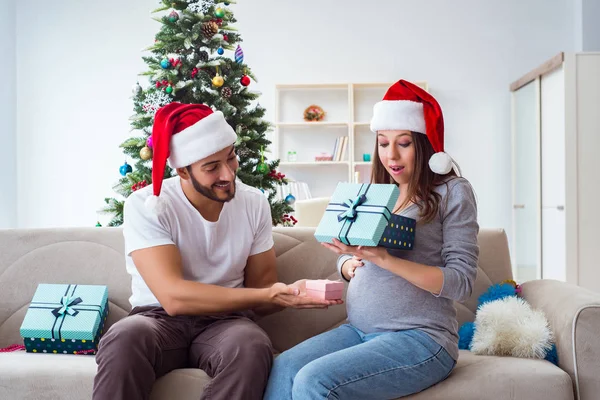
(423, 181)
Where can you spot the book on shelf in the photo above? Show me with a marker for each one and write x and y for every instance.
(339, 151)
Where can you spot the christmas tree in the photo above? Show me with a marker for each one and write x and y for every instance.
(188, 64)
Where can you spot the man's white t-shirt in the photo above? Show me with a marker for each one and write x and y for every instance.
(211, 252)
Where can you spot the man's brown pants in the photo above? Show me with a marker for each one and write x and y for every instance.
(234, 351)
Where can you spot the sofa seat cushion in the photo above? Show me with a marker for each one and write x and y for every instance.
(478, 377)
(70, 377)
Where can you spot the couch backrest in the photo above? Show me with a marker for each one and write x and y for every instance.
(96, 256)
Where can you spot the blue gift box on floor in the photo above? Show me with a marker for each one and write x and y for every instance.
(358, 214)
(67, 319)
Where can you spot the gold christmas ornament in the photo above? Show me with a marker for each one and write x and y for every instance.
(218, 81)
(145, 153)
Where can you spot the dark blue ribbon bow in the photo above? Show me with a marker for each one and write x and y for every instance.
(351, 213)
(67, 302)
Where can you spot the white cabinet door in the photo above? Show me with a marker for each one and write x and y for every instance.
(553, 244)
(526, 178)
(553, 138)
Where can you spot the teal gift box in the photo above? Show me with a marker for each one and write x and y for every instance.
(358, 214)
(65, 319)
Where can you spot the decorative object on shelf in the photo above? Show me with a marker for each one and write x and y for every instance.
(367, 157)
(291, 156)
(239, 55)
(262, 167)
(125, 169)
(220, 51)
(145, 153)
(290, 199)
(210, 29)
(324, 157)
(314, 113)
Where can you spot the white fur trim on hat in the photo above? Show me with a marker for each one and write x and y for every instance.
(398, 115)
(206, 137)
(156, 204)
(440, 163)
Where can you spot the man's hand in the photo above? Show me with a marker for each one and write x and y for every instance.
(294, 296)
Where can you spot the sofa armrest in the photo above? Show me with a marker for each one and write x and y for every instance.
(574, 316)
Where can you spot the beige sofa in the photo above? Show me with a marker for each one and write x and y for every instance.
(95, 256)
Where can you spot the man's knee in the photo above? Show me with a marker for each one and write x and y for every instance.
(129, 336)
(246, 342)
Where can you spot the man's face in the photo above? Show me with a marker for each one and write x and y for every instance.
(214, 176)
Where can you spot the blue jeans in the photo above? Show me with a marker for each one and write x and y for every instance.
(345, 363)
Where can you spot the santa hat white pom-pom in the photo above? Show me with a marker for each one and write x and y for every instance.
(156, 204)
(440, 163)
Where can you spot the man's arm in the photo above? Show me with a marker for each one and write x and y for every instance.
(160, 267)
(261, 272)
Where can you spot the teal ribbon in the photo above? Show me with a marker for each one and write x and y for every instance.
(66, 303)
(350, 214)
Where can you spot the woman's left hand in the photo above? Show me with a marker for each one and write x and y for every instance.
(376, 255)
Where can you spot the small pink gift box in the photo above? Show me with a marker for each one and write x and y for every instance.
(324, 289)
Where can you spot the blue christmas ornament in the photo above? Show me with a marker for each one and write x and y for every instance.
(125, 169)
(290, 199)
(165, 64)
(220, 51)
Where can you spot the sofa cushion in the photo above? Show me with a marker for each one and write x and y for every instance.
(70, 377)
(478, 377)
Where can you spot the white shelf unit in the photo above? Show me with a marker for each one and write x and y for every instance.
(348, 108)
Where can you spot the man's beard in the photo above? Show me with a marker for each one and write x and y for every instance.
(208, 192)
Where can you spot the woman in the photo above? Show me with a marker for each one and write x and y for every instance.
(402, 332)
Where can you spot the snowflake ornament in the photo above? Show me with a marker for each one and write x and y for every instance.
(200, 6)
(154, 101)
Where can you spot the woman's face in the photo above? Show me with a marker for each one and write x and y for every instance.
(397, 154)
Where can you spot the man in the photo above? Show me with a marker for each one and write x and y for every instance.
(202, 263)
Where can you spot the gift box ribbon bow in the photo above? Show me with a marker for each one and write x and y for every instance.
(351, 205)
(67, 302)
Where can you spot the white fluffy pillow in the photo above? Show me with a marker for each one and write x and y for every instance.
(510, 327)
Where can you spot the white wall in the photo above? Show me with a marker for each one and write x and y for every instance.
(8, 146)
(590, 25)
(77, 61)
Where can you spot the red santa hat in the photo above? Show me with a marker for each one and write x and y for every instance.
(406, 106)
(183, 134)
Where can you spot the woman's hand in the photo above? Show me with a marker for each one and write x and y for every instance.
(350, 266)
(376, 255)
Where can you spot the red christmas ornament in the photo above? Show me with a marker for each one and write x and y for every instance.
(226, 38)
(245, 81)
(194, 72)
